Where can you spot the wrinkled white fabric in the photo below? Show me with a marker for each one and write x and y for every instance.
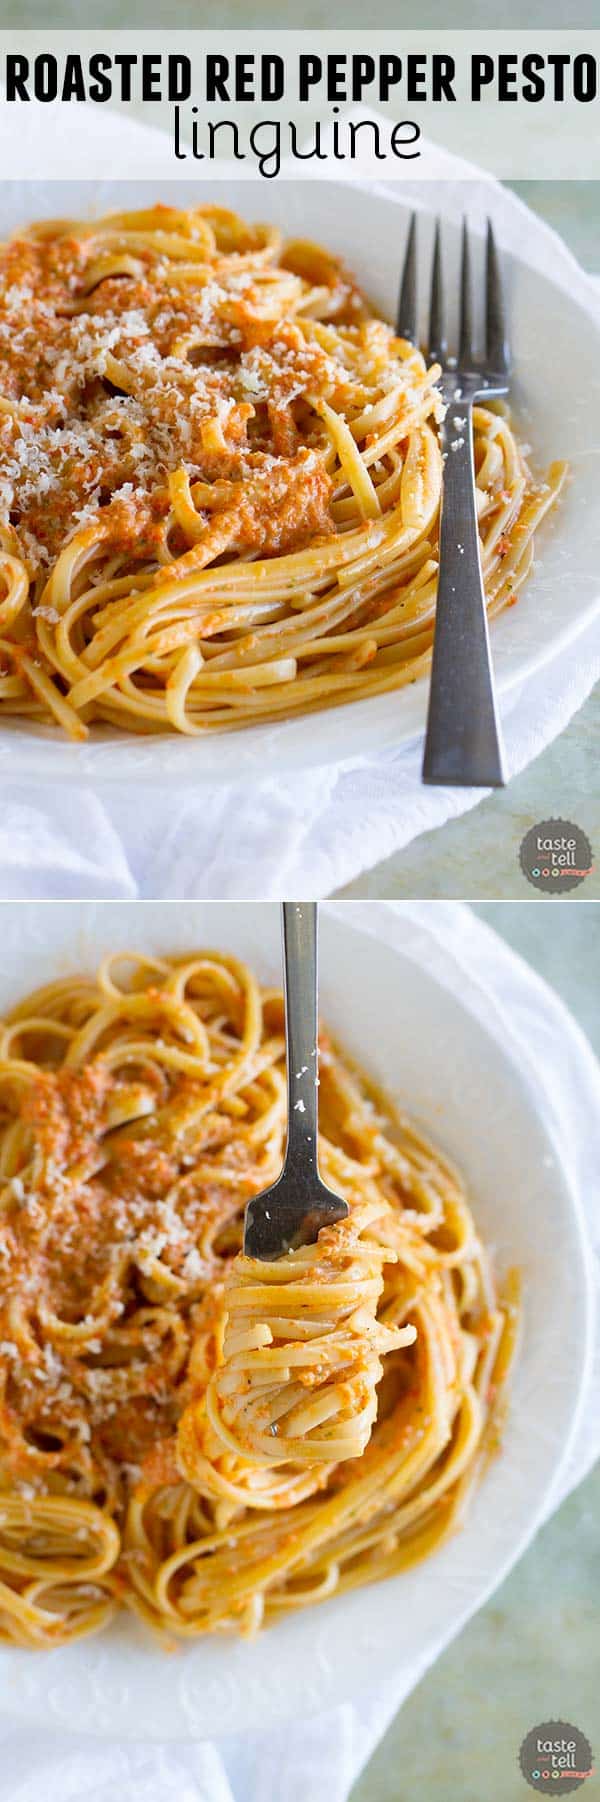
(305, 1761)
(307, 836)
(313, 832)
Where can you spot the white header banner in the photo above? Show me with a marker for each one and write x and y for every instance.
(523, 104)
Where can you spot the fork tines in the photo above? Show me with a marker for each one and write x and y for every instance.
(406, 316)
(496, 335)
(496, 341)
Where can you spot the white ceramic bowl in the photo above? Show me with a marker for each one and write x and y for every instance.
(427, 1048)
(556, 397)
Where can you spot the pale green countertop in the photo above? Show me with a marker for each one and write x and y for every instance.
(533, 1653)
(314, 14)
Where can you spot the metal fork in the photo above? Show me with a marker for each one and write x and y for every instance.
(463, 744)
(293, 1211)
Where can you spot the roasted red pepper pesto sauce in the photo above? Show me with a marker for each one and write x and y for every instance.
(77, 1248)
(216, 382)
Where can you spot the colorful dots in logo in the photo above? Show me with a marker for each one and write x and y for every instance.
(570, 1761)
(555, 854)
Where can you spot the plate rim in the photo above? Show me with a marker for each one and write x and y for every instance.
(44, 757)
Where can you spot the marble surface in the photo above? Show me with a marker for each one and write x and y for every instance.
(186, 14)
(532, 1653)
(477, 856)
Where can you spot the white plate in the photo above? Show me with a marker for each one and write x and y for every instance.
(428, 1049)
(556, 397)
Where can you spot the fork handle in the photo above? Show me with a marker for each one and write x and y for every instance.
(299, 920)
(462, 744)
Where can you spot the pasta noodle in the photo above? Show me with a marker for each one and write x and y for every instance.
(144, 1361)
(301, 1356)
(220, 479)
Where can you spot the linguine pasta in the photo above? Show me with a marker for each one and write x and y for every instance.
(301, 1358)
(208, 1440)
(220, 479)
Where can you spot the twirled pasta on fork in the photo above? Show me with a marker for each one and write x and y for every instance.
(302, 1350)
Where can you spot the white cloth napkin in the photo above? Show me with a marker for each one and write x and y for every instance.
(314, 832)
(307, 1760)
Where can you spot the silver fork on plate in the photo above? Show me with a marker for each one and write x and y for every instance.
(463, 746)
(292, 1212)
